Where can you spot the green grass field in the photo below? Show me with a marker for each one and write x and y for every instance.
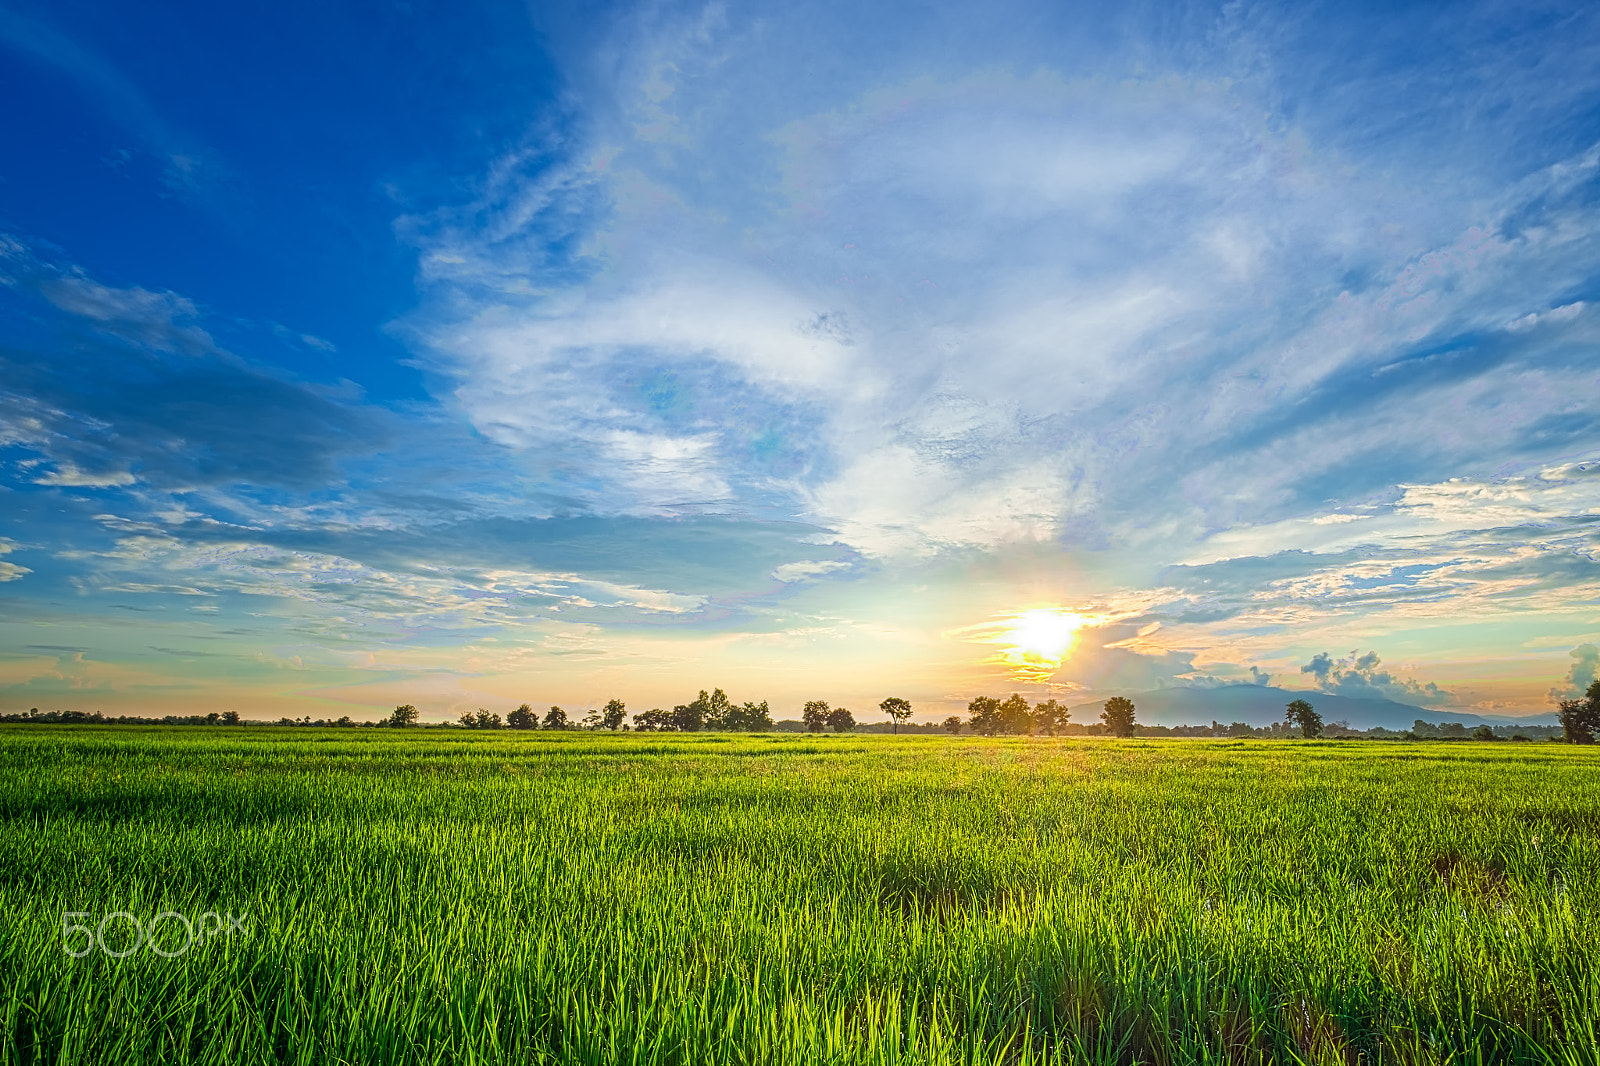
(579, 898)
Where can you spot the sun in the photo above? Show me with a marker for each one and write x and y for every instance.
(1036, 641)
(1046, 634)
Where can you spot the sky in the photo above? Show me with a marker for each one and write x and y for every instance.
(465, 355)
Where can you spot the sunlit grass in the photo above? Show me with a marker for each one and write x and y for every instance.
(475, 897)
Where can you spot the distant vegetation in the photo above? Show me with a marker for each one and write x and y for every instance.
(986, 716)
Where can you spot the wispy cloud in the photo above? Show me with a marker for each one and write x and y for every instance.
(985, 308)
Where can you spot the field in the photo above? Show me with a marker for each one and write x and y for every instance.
(578, 898)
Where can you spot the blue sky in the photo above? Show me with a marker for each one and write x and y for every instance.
(472, 354)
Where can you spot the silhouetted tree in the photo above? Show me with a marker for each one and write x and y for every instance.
(896, 708)
(556, 718)
(522, 718)
(748, 717)
(654, 720)
(230, 717)
(715, 709)
(1580, 718)
(841, 720)
(1300, 713)
(984, 712)
(1050, 716)
(616, 711)
(815, 715)
(952, 725)
(1015, 715)
(1117, 714)
(404, 715)
(690, 717)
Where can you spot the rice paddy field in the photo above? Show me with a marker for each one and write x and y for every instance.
(478, 897)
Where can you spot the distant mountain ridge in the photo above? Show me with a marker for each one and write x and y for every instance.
(1259, 705)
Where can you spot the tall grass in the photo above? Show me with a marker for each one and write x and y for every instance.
(581, 898)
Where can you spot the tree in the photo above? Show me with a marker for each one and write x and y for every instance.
(896, 708)
(591, 720)
(522, 718)
(230, 717)
(1300, 713)
(403, 715)
(952, 725)
(556, 718)
(692, 717)
(468, 720)
(1118, 716)
(654, 720)
(815, 716)
(748, 717)
(841, 720)
(715, 709)
(1015, 715)
(985, 714)
(1580, 718)
(1484, 732)
(616, 711)
(1050, 716)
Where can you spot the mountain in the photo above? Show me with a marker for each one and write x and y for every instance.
(1260, 705)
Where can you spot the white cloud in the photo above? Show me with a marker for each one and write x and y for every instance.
(801, 571)
(68, 474)
(993, 308)
(10, 571)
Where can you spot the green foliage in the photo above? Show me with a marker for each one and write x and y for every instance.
(897, 709)
(404, 715)
(1117, 714)
(1300, 713)
(815, 716)
(1050, 716)
(556, 718)
(427, 896)
(230, 717)
(522, 718)
(1015, 715)
(984, 715)
(615, 713)
(1484, 732)
(952, 725)
(841, 720)
(708, 711)
(1580, 718)
(654, 720)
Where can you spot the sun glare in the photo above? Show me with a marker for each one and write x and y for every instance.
(1036, 641)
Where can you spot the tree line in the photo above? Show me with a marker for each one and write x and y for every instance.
(986, 716)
